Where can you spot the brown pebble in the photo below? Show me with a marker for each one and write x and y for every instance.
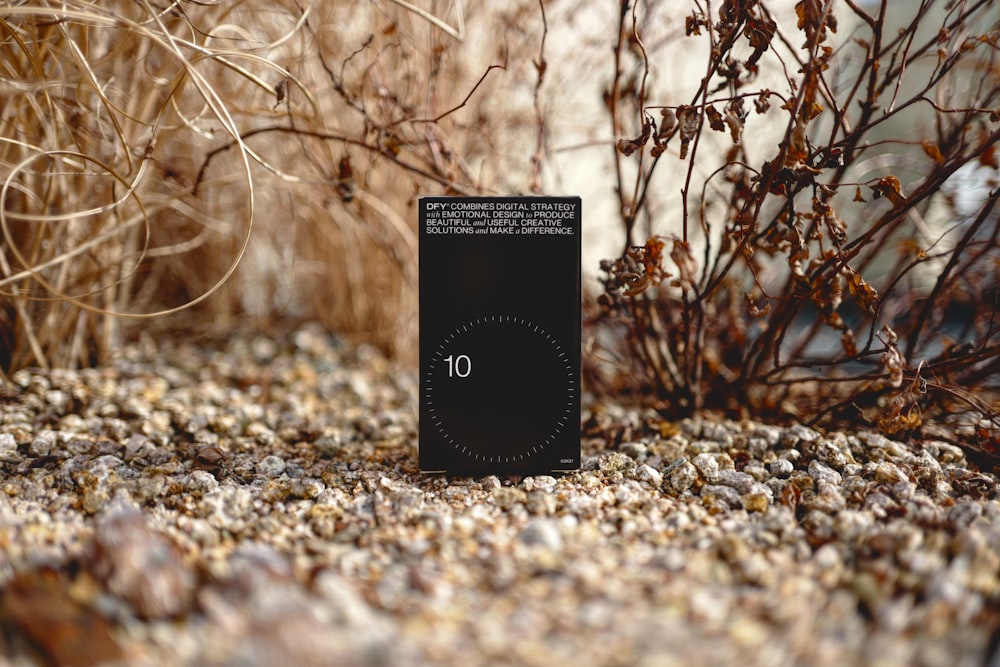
(211, 459)
(140, 565)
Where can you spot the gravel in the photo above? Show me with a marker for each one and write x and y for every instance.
(259, 503)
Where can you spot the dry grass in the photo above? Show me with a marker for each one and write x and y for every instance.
(240, 160)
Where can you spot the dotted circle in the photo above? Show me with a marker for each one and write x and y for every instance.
(530, 449)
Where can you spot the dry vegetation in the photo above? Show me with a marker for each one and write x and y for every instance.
(825, 257)
(240, 160)
(848, 270)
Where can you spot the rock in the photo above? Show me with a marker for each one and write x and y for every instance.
(201, 482)
(782, 467)
(756, 501)
(824, 474)
(718, 496)
(38, 608)
(887, 472)
(740, 481)
(650, 475)
(140, 565)
(541, 533)
(8, 447)
(271, 466)
(707, 466)
(43, 444)
(683, 477)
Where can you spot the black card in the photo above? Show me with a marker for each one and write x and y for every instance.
(499, 334)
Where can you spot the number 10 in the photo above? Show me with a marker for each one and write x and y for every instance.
(460, 365)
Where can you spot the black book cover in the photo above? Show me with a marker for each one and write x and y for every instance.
(500, 334)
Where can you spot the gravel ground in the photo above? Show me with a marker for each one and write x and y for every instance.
(260, 503)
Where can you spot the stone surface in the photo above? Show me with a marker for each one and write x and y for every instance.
(259, 503)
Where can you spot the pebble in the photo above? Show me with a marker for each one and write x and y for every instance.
(823, 474)
(259, 501)
(271, 466)
(827, 498)
(756, 501)
(708, 466)
(542, 533)
(8, 447)
(683, 477)
(648, 474)
(782, 468)
(200, 482)
(889, 473)
(42, 444)
(719, 496)
(141, 565)
(741, 481)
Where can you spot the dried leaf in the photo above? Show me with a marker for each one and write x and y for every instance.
(759, 32)
(687, 265)
(647, 130)
(732, 11)
(833, 158)
(893, 362)
(796, 260)
(802, 9)
(755, 310)
(798, 150)
(668, 122)
(638, 285)
(761, 103)
(778, 238)
(627, 146)
(857, 194)
(392, 144)
(888, 336)
(988, 158)
(715, 119)
(279, 92)
(692, 24)
(735, 126)
(834, 225)
(689, 120)
(828, 295)
(865, 295)
(811, 111)
(541, 66)
(889, 187)
(932, 151)
(899, 416)
(849, 343)
(345, 180)
(652, 257)
(811, 19)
